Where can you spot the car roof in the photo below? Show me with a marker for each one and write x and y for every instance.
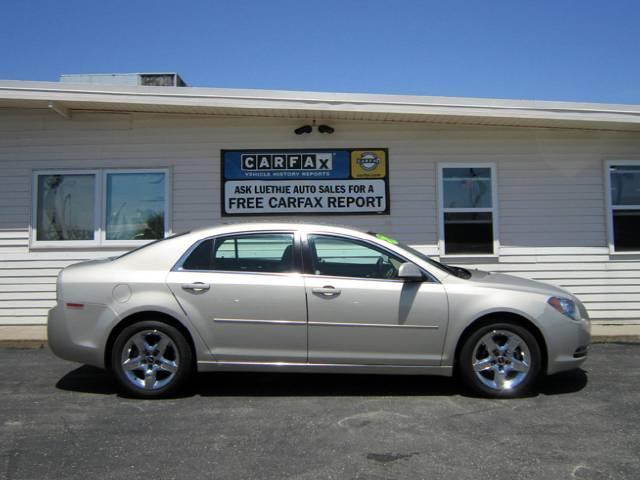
(259, 226)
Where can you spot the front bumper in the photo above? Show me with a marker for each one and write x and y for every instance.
(567, 342)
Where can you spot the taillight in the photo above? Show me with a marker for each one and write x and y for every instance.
(75, 306)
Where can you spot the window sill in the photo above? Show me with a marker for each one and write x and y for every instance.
(71, 245)
(487, 258)
(624, 255)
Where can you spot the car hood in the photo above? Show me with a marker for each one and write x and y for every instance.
(511, 282)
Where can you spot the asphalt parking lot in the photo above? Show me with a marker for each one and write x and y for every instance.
(65, 421)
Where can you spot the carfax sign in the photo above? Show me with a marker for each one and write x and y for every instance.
(343, 181)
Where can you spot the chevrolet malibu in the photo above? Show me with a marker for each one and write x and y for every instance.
(313, 298)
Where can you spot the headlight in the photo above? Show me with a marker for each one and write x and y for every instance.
(565, 306)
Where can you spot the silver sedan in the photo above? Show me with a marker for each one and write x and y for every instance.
(313, 298)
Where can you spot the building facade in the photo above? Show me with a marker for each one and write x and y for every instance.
(544, 190)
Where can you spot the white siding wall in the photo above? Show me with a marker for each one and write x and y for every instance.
(550, 188)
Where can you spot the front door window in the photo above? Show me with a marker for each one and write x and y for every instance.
(341, 257)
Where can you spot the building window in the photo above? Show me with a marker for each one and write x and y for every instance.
(135, 205)
(624, 221)
(65, 207)
(99, 207)
(467, 209)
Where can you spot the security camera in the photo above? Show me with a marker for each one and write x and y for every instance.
(326, 129)
(303, 129)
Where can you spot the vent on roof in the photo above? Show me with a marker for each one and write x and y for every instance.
(148, 79)
(162, 80)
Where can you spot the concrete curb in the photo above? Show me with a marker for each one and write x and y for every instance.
(23, 344)
(615, 333)
(616, 339)
(23, 336)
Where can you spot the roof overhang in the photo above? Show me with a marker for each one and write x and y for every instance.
(67, 98)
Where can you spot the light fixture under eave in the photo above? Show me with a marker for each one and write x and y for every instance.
(303, 129)
(326, 129)
(60, 109)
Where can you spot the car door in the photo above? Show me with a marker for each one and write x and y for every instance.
(359, 312)
(246, 294)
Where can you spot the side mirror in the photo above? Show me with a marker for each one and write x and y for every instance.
(410, 271)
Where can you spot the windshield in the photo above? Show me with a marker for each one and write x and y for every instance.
(450, 269)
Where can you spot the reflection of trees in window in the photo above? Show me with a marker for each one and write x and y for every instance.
(144, 225)
(154, 227)
(135, 206)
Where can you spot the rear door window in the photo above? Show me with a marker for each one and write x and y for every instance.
(257, 252)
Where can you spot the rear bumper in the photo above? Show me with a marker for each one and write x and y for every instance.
(74, 334)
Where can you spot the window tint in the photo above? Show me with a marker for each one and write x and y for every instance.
(201, 258)
(270, 253)
(341, 257)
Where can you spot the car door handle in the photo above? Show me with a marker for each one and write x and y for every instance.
(196, 287)
(327, 291)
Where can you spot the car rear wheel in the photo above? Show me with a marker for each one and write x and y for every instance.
(500, 360)
(151, 359)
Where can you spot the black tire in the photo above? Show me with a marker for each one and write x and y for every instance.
(503, 374)
(159, 374)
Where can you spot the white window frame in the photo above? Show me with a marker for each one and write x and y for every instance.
(99, 209)
(493, 209)
(611, 207)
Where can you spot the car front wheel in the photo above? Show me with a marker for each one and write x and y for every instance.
(151, 359)
(500, 360)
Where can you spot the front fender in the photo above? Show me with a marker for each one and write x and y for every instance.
(467, 306)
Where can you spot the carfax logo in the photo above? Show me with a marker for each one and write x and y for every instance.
(368, 164)
(287, 161)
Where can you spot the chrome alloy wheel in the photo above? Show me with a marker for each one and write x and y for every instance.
(150, 359)
(501, 360)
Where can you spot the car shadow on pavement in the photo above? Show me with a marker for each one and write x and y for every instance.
(564, 382)
(88, 379)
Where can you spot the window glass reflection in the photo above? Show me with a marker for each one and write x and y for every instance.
(65, 207)
(625, 185)
(135, 206)
(467, 187)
